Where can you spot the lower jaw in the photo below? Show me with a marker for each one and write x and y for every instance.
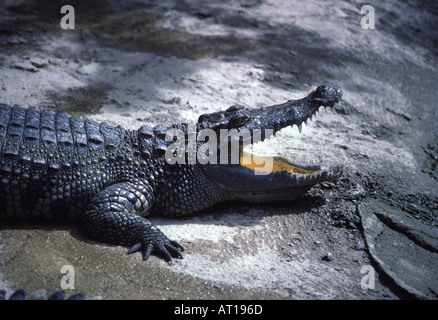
(288, 174)
(276, 196)
(268, 164)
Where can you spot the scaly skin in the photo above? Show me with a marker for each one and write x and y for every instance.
(57, 166)
(40, 295)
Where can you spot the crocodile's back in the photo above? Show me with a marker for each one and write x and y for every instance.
(51, 163)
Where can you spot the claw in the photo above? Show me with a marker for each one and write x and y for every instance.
(147, 251)
(161, 246)
(177, 245)
(162, 251)
(136, 247)
(174, 252)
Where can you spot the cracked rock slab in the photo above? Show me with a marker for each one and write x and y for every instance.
(402, 247)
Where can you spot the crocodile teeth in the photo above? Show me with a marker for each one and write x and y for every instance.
(300, 127)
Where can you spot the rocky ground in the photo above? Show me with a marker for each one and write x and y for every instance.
(137, 62)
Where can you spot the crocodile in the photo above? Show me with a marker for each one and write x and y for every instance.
(109, 179)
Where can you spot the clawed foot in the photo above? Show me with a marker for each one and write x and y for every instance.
(154, 241)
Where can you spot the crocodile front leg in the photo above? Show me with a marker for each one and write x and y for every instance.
(112, 216)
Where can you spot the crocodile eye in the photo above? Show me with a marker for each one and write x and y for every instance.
(239, 119)
(210, 117)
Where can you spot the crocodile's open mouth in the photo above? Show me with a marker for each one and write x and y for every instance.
(271, 178)
(264, 178)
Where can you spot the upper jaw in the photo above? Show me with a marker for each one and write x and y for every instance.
(281, 175)
(252, 125)
(293, 112)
